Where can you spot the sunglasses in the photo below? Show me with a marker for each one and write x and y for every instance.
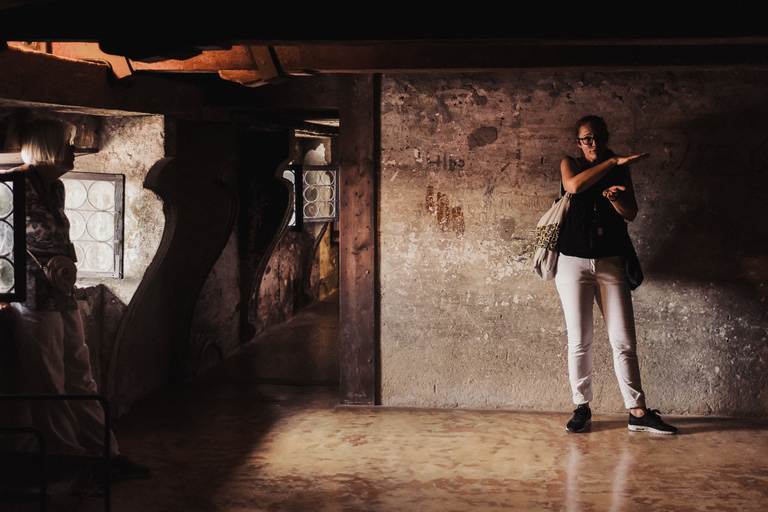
(587, 141)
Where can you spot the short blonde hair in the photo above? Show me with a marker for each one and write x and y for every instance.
(45, 141)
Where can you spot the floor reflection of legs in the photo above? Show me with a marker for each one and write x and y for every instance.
(574, 486)
(621, 475)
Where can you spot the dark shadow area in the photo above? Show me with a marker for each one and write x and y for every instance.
(203, 435)
(700, 425)
(263, 204)
(69, 480)
(302, 351)
(717, 232)
(705, 241)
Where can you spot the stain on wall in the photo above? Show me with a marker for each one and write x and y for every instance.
(482, 137)
(447, 211)
(464, 320)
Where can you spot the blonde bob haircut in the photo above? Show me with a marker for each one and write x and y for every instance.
(45, 141)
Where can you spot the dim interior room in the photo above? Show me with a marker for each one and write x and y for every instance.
(307, 261)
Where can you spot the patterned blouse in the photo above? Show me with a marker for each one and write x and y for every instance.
(47, 236)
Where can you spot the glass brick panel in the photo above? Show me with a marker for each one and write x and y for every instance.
(12, 241)
(94, 206)
(320, 193)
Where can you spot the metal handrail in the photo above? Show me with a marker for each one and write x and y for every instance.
(65, 398)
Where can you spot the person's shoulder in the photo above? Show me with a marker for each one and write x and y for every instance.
(21, 168)
(569, 160)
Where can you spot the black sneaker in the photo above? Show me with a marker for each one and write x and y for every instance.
(650, 422)
(581, 421)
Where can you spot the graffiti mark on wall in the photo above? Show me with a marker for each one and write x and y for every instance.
(445, 162)
(448, 214)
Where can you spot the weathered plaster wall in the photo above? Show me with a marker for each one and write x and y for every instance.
(288, 283)
(129, 146)
(468, 165)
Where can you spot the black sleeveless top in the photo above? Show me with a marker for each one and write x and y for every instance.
(593, 228)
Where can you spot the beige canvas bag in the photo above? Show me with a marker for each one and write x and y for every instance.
(548, 238)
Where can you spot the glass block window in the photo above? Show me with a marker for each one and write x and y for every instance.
(94, 207)
(13, 244)
(320, 196)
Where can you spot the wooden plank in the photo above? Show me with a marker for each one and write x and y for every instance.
(358, 294)
(459, 56)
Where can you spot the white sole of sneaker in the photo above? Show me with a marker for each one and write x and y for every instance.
(584, 428)
(638, 428)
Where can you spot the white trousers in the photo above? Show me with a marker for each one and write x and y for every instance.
(54, 360)
(580, 282)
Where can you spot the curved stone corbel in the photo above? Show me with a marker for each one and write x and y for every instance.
(200, 212)
(253, 306)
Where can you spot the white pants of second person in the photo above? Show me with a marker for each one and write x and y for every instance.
(581, 281)
(54, 360)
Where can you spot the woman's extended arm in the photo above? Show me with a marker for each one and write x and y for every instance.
(575, 181)
(623, 198)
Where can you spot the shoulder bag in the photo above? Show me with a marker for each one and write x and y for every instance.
(548, 237)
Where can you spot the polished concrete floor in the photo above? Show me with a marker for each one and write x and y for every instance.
(229, 442)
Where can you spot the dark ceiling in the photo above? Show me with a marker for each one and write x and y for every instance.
(149, 29)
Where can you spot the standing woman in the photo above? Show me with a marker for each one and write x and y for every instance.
(592, 266)
(52, 351)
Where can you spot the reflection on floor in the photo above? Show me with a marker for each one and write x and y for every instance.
(229, 443)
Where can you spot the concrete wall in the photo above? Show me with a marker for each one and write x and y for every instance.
(468, 165)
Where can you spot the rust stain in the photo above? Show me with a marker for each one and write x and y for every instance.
(457, 217)
(449, 217)
(443, 211)
(430, 201)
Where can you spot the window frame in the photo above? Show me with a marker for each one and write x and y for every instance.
(19, 251)
(308, 168)
(118, 241)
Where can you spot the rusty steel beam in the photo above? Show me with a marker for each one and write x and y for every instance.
(250, 65)
(209, 61)
(247, 77)
(82, 51)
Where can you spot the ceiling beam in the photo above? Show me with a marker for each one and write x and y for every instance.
(515, 55)
(251, 64)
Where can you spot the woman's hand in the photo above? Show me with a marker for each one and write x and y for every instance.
(627, 160)
(612, 193)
